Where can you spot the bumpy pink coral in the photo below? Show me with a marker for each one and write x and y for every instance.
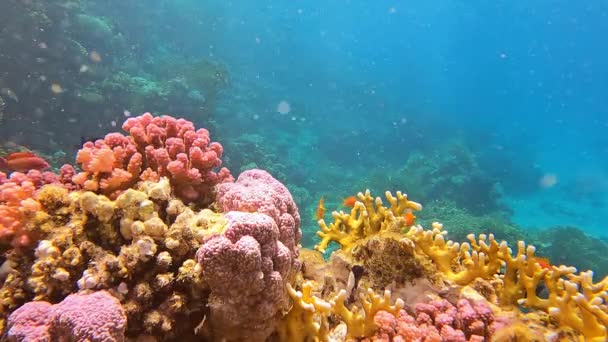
(79, 317)
(257, 191)
(439, 320)
(31, 322)
(156, 147)
(247, 269)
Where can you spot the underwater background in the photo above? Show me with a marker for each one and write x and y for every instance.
(493, 115)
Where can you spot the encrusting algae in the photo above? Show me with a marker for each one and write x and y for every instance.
(176, 269)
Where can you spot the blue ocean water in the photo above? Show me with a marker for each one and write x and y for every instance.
(522, 84)
(494, 112)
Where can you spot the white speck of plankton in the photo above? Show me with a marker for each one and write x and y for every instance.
(283, 107)
(113, 123)
(126, 113)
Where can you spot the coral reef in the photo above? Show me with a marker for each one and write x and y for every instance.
(151, 241)
(509, 279)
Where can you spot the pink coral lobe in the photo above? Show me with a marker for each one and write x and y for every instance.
(97, 316)
(247, 267)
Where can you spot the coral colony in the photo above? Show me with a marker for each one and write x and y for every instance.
(152, 240)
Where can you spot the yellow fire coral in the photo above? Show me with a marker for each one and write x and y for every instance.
(368, 216)
(574, 301)
(308, 318)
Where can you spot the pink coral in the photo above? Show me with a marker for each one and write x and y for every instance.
(31, 322)
(247, 268)
(155, 147)
(257, 191)
(439, 320)
(79, 317)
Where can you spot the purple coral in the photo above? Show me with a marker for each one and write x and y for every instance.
(79, 317)
(247, 269)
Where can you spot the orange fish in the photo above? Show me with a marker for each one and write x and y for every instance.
(543, 262)
(320, 210)
(410, 219)
(349, 201)
(22, 162)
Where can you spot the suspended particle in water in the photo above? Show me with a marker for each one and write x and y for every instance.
(258, 40)
(548, 180)
(392, 10)
(293, 118)
(503, 55)
(255, 116)
(56, 88)
(126, 113)
(42, 45)
(72, 120)
(94, 56)
(403, 121)
(113, 123)
(283, 107)
(84, 68)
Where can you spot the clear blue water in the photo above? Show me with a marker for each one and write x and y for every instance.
(504, 103)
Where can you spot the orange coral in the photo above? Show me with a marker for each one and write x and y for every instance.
(16, 205)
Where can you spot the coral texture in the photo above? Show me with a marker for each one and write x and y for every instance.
(155, 147)
(257, 191)
(247, 269)
(79, 317)
(17, 205)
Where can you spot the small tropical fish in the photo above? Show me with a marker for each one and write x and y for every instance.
(410, 219)
(544, 263)
(320, 210)
(349, 201)
(22, 162)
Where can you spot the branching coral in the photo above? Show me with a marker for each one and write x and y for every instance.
(574, 301)
(308, 319)
(156, 147)
(368, 216)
